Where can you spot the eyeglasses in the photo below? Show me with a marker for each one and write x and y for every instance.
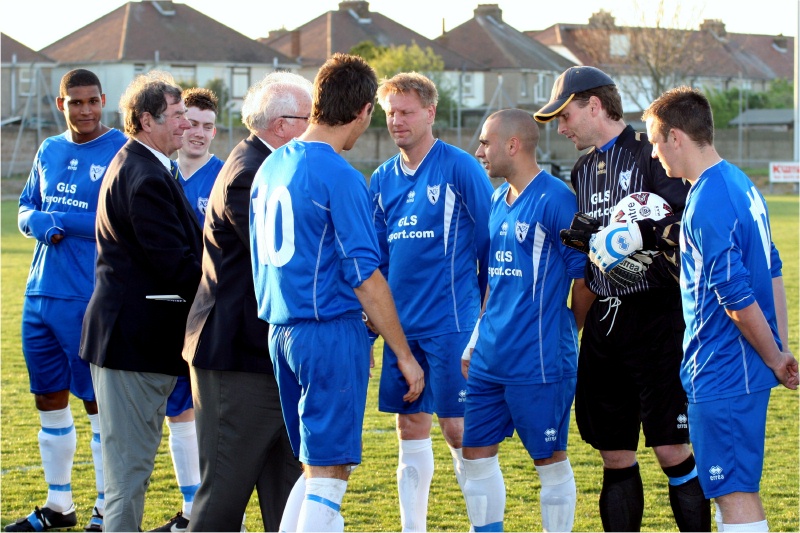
(292, 116)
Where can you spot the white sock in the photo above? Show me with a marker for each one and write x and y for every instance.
(485, 493)
(414, 475)
(97, 459)
(186, 460)
(320, 509)
(57, 444)
(558, 496)
(752, 526)
(291, 511)
(458, 466)
(718, 517)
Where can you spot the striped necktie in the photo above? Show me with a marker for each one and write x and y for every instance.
(173, 165)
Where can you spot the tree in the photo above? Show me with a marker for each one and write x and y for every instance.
(390, 60)
(727, 105)
(653, 57)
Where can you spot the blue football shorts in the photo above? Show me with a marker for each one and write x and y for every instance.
(51, 339)
(181, 397)
(538, 412)
(445, 386)
(322, 369)
(728, 442)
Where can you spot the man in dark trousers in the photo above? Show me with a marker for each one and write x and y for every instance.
(240, 429)
(630, 352)
(148, 266)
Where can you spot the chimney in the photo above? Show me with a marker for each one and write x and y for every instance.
(295, 50)
(359, 7)
(780, 42)
(714, 26)
(490, 10)
(602, 19)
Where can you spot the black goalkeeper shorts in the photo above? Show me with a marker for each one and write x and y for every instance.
(628, 372)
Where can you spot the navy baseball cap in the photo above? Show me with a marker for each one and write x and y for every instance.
(572, 81)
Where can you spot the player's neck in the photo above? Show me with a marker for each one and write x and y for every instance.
(414, 155)
(80, 138)
(189, 165)
(520, 180)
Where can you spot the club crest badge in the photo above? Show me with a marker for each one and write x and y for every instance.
(521, 231)
(202, 203)
(625, 179)
(433, 193)
(96, 172)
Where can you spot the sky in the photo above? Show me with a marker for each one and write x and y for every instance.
(39, 23)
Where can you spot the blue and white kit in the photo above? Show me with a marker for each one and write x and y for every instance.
(197, 187)
(61, 196)
(312, 243)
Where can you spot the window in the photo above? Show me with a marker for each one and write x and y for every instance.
(139, 68)
(26, 82)
(523, 85)
(619, 45)
(467, 84)
(240, 81)
(184, 74)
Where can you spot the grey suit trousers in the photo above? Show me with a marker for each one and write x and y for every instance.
(132, 406)
(243, 445)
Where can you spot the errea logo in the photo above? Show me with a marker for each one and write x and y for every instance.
(504, 228)
(682, 421)
(550, 434)
(73, 164)
(716, 473)
(462, 396)
(410, 198)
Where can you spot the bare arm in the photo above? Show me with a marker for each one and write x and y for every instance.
(378, 304)
(754, 327)
(582, 299)
(781, 313)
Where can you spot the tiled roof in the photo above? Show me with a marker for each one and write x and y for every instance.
(137, 31)
(9, 47)
(353, 23)
(493, 44)
(716, 53)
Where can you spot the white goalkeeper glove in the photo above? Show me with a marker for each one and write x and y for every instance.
(612, 244)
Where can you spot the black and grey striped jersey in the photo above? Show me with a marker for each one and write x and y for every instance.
(603, 178)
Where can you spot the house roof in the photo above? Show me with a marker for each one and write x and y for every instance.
(716, 53)
(353, 23)
(764, 117)
(137, 31)
(10, 47)
(493, 44)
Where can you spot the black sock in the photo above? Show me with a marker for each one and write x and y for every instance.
(689, 505)
(622, 499)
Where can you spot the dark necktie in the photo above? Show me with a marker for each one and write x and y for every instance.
(174, 169)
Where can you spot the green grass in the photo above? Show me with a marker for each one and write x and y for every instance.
(371, 500)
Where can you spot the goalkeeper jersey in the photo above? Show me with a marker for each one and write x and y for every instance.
(433, 232)
(728, 261)
(311, 234)
(528, 334)
(603, 177)
(62, 191)
(198, 186)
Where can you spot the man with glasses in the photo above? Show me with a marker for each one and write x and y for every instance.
(240, 429)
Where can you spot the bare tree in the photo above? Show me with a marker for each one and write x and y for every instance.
(653, 56)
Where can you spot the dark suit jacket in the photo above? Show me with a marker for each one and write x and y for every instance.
(148, 243)
(223, 331)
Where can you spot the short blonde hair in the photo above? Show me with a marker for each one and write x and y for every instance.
(406, 82)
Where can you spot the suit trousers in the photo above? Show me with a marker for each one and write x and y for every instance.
(132, 406)
(243, 445)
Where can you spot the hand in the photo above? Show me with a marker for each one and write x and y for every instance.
(786, 370)
(56, 238)
(415, 377)
(371, 359)
(465, 366)
(612, 244)
(629, 271)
